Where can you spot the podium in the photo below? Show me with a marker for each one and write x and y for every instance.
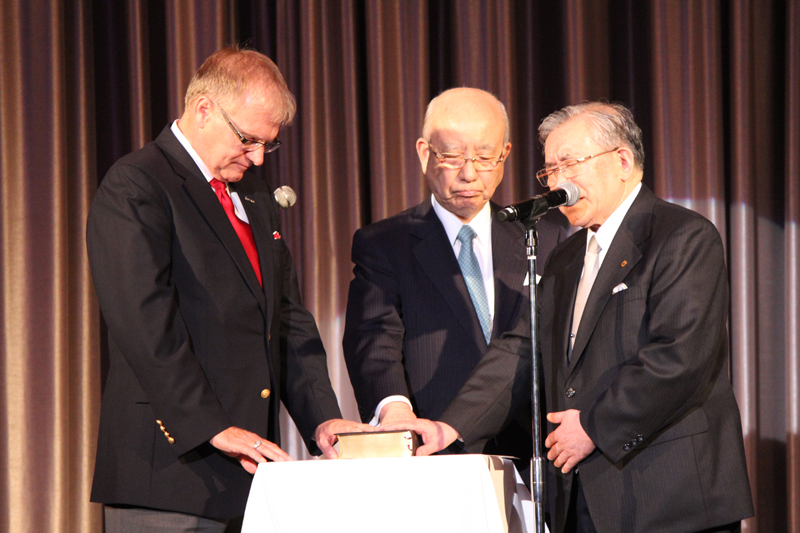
(464, 493)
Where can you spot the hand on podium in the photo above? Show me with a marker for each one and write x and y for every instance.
(247, 447)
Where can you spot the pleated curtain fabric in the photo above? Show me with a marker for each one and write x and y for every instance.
(714, 84)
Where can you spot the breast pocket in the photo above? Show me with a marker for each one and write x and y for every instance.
(630, 318)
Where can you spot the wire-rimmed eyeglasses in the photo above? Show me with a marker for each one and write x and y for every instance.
(547, 176)
(249, 145)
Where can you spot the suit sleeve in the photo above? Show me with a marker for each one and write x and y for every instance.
(501, 382)
(373, 337)
(496, 389)
(681, 339)
(308, 397)
(129, 241)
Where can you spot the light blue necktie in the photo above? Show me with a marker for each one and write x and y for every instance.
(472, 275)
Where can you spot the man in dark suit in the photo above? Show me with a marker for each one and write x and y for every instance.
(644, 432)
(207, 333)
(430, 302)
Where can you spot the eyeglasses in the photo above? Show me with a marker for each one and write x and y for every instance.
(457, 161)
(249, 145)
(547, 176)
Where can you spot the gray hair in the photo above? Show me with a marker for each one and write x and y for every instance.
(427, 124)
(612, 123)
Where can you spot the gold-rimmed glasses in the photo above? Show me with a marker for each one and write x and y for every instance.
(457, 161)
(547, 176)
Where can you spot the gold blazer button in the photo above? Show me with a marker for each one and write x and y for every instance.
(265, 393)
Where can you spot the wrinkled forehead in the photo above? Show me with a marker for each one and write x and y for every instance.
(571, 140)
(461, 132)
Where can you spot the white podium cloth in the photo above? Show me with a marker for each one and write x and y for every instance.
(420, 494)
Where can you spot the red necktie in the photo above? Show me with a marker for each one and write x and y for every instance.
(242, 229)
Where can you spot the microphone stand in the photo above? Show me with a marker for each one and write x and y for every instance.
(538, 459)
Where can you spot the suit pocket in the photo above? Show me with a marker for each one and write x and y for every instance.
(692, 424)
(630, 327)
(628, 295)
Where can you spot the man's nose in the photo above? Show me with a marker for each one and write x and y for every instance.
(468, 171)
(256, 156)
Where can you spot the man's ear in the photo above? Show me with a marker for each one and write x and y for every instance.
(626, 162)
(202, 108)
(424, 152)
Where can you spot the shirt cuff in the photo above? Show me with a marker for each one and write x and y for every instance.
(376, 419)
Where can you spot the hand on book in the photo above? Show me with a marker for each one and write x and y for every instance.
(436, 435)
(396, 413)
(325, 435)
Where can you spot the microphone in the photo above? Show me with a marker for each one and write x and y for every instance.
(566, 194)
(285, 196)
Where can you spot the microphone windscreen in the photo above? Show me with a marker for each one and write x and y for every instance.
(573, 195)
(285, 196)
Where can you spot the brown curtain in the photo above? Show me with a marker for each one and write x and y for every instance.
(715, 85)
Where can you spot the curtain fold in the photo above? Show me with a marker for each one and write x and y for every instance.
(586, 42)
(791, 222)
(51, 389)
(715, 86)
(398, 93)
(195, 30)
(326, 165)
(688, 139)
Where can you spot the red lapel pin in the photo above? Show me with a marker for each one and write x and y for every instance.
(276, 235)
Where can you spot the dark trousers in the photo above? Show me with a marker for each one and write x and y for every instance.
(580, 521)
(578, 518)
(139, 520)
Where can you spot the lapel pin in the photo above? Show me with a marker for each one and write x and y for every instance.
(623, 263)
(276, 235)
(249, 199)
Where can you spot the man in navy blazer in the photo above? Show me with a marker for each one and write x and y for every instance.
(644, 429)
(206, 330)
(413, 334)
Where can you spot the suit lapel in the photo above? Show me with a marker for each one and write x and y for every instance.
(508, 262)
(567, 285)
(208, 204)
(622, 256)
(435, 256)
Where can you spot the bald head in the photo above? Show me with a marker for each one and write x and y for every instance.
(463, 149)
(464, 102)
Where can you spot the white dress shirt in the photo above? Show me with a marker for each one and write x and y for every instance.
(237, 203)
(606, 232)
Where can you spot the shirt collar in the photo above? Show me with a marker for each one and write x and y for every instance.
(185, 142)
(482, 223)
(605, 234)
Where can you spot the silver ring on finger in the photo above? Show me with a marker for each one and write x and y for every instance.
(257, 444)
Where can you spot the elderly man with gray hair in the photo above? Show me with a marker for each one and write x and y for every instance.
(644, 429)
